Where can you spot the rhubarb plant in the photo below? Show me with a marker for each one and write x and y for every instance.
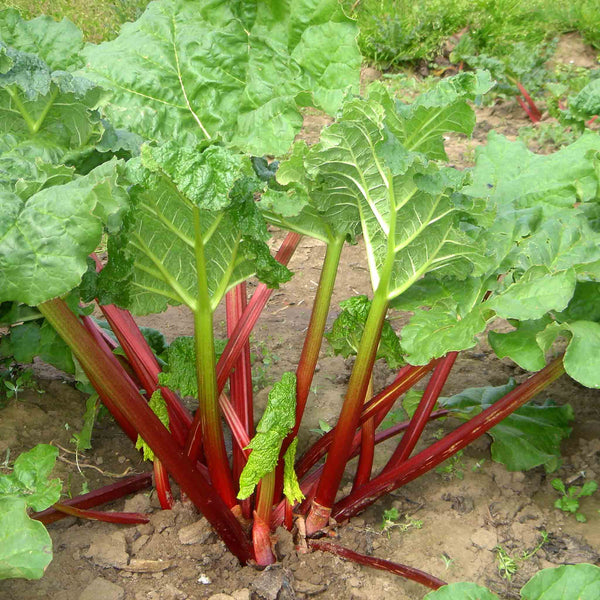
(207, 88)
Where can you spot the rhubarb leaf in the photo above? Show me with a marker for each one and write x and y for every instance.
(461, 591)
(347, 329)
(214, 69)
(193, 212)
(179, 374)
(45, 239)
(159, 408)
(420, 125)
(26, 548)
(291, 487)
(580, 581)
(29, 478)
(58, 44)
(513, 176)
(537, 292)
(277, 421)
(521, 344)
(527, 438)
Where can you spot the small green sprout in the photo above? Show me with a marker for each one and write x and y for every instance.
(569, 502)
(509, 565)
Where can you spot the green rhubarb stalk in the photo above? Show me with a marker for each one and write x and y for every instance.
(261, 538)
(212, 432)
(357, 387)
(350, 415)
(313, 341)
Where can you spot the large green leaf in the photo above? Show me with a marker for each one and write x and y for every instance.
(190, 70)
(527, 438)
(569, 582)
(421, 125)
(513, 176)
(26, 548)
(44, 107)
(193, 217)
(45, 239)
(57, 44)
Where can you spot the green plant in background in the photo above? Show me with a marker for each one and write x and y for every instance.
(569, 501)
(548, 135)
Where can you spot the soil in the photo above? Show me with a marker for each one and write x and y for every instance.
(450, 525)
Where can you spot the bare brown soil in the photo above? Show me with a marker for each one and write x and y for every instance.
(450, 527)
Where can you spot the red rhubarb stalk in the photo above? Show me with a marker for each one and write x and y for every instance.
(240, 385)
(407, 377)
(109, 381)
(379, 563)
(240, 336)
(449, 445)
(121, 518)
(419, 420)
(100, 496)
(367, 448)
(163, 487)
(259, 299)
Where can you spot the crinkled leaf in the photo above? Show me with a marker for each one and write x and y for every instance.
(277, 421)
(179, 373)
(206, 71)
(527, 438)
(291, 487)
(434, 333)
(185, 201)
(42, 106)
(26, 547)
(348, 327)
(583, 106)
(159, 408)
(57, 43)
(461, 591)
(46, 238)
(581, 582)
(420, 126)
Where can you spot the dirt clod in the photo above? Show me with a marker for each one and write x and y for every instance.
(109, 550)
(196, 533)
(102, 589)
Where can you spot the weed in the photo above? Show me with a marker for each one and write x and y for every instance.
(391, 520)
(569, 501)
(548, 135)
(509, 565)
(453, 467)
(323, 428)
